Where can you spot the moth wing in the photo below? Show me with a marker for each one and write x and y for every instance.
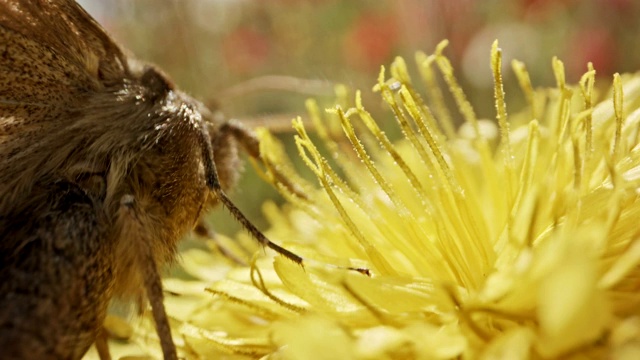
(51, 52)
(54, 57)
(56, 275)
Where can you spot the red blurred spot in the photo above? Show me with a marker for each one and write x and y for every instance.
(541, 10)
(370, 41)
(592, 44)
(617, 5)
(296, 2)
(246, 50)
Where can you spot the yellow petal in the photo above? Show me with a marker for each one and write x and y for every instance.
(572, 309)
(313, 338)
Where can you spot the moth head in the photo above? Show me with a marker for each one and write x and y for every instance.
(183, 130)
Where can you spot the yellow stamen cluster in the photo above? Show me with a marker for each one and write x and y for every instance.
(512, 239)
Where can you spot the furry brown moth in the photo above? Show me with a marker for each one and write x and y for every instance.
(104, 166)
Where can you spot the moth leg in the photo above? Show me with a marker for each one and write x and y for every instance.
(102, 346)
(153, 287)
(204, 231)
(151, 277)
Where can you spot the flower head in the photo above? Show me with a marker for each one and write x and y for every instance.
(513, 238)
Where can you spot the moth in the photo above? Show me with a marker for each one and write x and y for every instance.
(104, 166)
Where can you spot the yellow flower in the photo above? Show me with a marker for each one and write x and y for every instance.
(512, 239)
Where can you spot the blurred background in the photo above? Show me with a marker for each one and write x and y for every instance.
(258, 60)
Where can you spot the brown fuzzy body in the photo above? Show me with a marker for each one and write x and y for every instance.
(103, 168)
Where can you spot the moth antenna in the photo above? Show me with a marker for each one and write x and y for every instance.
(251, 145)
(313, 87)
(213, 183)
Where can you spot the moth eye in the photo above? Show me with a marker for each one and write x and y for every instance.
(156, 82)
